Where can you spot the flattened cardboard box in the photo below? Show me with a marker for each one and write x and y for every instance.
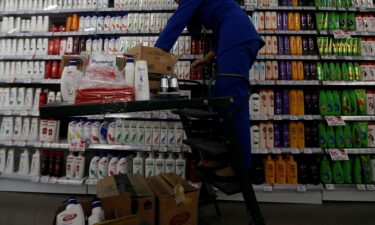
(158, 61)
(142, 198)
(176, 199)
(115, 208)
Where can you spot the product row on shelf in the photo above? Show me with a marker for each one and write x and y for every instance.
(271, 20)
(288, 45)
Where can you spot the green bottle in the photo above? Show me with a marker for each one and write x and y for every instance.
(351, 71)
(348, 136)
(366, 169)
(345, 71)
(325, 21)
(359, 46)
(361, 101)
(330, 102)
(347, 169)
(332, 25)
(357, 170)
(353, 103)
(363, 134)
(332, 69)
(326, 72)
(320, 43)
(325, 171)
(319, 70)
(322, 135)
(345, 103)
(337, 173)
(340, 140)
(357, 72)
(331, 137)
(338, 71)
(356, 135)
(351, 21)
(353, 46)
(336, 103)
(319, 20)
(323, 103)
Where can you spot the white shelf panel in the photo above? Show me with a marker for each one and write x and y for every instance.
(19, 113)
(356, 57)
(296, 32)
(119, 147)
(284, 117)
(288, 57)
(358, 118)
(284, 82)
(35, 144)
(348, 83)
(288, 8)
(356, 150)
(350, 192)
(30, 81)
(294, 151)
(30, 57)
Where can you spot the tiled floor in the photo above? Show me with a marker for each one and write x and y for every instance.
(38, 209)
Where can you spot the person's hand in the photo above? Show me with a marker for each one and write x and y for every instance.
(197, 63)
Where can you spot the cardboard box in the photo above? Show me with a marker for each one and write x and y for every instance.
(117, 208)
(142, 197)
(177, 200)
(158, 61)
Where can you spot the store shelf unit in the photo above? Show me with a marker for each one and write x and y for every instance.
(360, 192)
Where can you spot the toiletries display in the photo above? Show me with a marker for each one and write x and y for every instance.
(271, 20)
(288, 45)
(29, 70)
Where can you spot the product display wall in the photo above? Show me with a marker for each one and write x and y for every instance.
(317, 63)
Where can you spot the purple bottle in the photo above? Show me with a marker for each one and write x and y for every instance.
(308, 105)
(285, 21)
(310, 21)
(285, 136)
(277, 135)
(288, 70)
(308, 136)
(278, 103)
(280, 43)
(303, 21)
(313, 71)
(314, 103)
(282, 71)
(315, 135)
(306, 71)
(279, 21)
(286, 110)
(286, 45)
(305, 45)
(311, 45)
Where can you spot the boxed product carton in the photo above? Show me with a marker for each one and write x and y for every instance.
(176, 199)
(142, 198)
(158, 61)
(117, 210)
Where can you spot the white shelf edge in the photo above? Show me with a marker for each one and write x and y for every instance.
(348, 83)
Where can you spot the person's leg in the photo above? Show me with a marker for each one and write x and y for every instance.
(238, 60)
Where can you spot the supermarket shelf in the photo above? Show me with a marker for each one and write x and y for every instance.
(349, 192)
(284, 117)
(294, 151)
(348, 83)
(296, 32)
(18, 113)
(35, 144)
(349, 58)
(351, 33)
(281, 8)
(119, 147)
(29, 81)
(284, 82)
(30, 57)
(358, 118)
(303, 194)
(320, 8)
(356, 150)
(288, 57)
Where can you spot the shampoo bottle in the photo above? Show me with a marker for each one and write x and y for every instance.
(97, 213)
(337, 173)
(160, 165)
(24, 166)
(346, 103)
(71, 78)
(138, 164)
(340, 140)
(3, 159)
(331, 137)
(93, 168)
(291, 170)
(356, 135)
(336, 104)
(112, 166)
(103, 167)
(280, 167)
(150, 165)
(373, 168)
(181, 166)
(357, 173)
(366, 169)
(35, 164)
(323, 141)
(72, 215)
(141, 84)
(170, 164)
(325, 171)
(122, 166)
(347, 171)
(80, 166)
(269, 166)
(129, 71)
(9, 168)
(70, 165)
(348, 136)
(323, 103)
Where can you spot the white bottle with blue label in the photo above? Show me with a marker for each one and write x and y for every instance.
(72, 215)
(70, 80)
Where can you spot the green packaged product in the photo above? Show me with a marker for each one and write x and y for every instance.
(348, 50)
(348, 136)
(353, 103)
(333, 21)
(345, 103)
(338, 71)
(330, 102)
(331, 137)
(319, 71)
(363, 134)
(323, 104)
(357, 72)
(361, 101)
(325, 21)
(319, 20)
(353, 46)
(359, 46)
(336, 46)
(332, 69)
(322, 135)
(336, 103)
(325, 171)
(320, 42)
(329, 47)
(340, 140)
(356, 135)
(351, 21)
(347, 169)
(345, 71)
(337, 173)
(350, 71)
(327, 72)
(366, 169)
(357, 170)
(343, 21)
(339, 3)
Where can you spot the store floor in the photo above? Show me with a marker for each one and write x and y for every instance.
(38, 209)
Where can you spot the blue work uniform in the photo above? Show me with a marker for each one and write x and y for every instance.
(236, 47)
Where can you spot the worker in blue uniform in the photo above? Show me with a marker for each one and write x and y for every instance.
(236, 47)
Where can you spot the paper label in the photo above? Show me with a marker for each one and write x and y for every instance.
(267, 188)
(301, 188)
(338, 154)
(335, 121)
(330, 187)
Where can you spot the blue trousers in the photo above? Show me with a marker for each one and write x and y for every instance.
(238, 60)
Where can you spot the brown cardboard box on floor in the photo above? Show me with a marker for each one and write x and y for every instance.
(117, 210)
(142, 198)
(158, 61)
(177, 200)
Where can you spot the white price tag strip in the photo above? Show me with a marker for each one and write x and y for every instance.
(267, 188)
(276, 151)
(307, 151)
(361, 187)
(294, 151)
(301, 188)
(335, 121)
(338, 154)
(370, 187)
(44, 179)
(35, 179)
(339, 34)
(330, 187)
(55, 145)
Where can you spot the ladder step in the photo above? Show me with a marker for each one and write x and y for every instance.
(229, 188)
(196, 113)
(206, 146)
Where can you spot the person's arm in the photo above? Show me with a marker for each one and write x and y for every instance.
(177, 23)
(205, 60)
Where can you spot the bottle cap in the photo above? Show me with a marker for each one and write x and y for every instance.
(72, 200)
(73, 62)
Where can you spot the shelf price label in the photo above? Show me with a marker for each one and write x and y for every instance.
(338, 154)
(335, 121)
(301, 188)
(307, 151)
(361, 187)
(267, 188)
(339, 34)
(370, 187)
(330, 187)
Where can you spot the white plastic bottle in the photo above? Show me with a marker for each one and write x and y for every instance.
(159, 165)
(24, 166)
(35, 164)
(150, 165)
(80, 166)
(138, 164)
(112, 167)
(71, 78)
(141, 83)
(181, 166)
(72, 215)
(70, 165)
(97, 213)
(95, 132)
(111, 133)
(103, 167)
(122, 166)
(9, 168)
(93, 168)
(170, 164)
(129, 71)
(3, 159)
